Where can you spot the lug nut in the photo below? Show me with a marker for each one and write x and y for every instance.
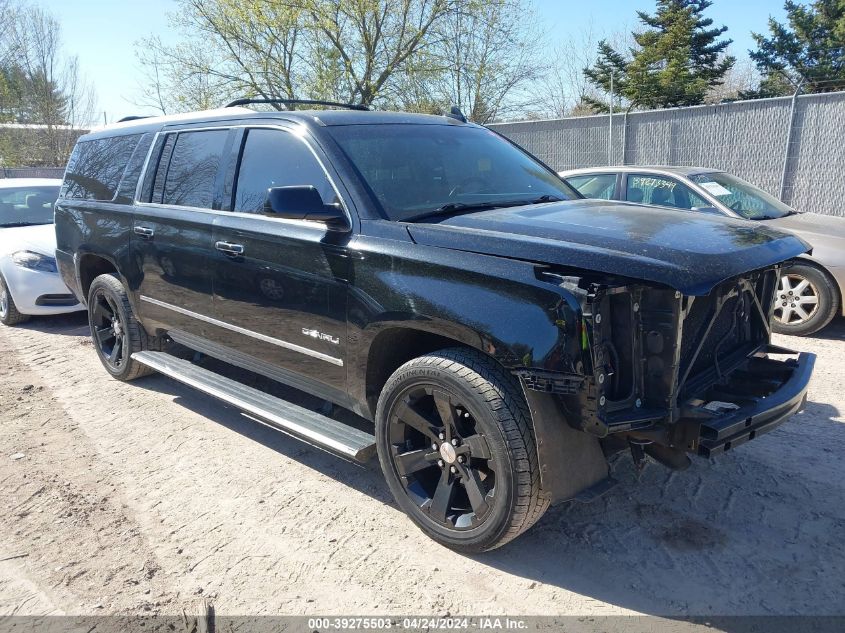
(466, 414)
(639, 403)
(601, 379)
(440, 463)
(455, 442)
(434, 447)
(453, 469)
(602, 400)
(636, 307)
(442, 437)
(461, 459)
(598, 318)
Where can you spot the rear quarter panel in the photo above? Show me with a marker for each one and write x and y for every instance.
(87, 228)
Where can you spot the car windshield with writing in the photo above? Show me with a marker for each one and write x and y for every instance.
(742, 197)
(417, 171)
(26, 206)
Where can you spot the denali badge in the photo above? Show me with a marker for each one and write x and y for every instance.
(319, 335)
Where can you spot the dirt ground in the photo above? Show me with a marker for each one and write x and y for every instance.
(140, 498)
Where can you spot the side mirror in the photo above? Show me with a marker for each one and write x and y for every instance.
(712, 210)
(304, 203)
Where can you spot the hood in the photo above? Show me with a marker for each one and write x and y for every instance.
(827, 226)
(825, 233)
(690, 252)
(39, 239)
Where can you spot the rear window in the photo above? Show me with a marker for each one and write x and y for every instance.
(96, 167)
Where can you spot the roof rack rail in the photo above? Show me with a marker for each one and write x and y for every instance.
(134, 117)
(248, 100)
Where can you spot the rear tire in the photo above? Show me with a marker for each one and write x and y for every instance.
(806, 301)
(9, 314)
(480, 490)
(115, 331)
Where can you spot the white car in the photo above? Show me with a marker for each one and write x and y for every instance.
(29, 279)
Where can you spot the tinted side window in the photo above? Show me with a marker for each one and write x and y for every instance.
(595, 185)
(192, 169)
(164, 149)
(273, 158)
(126, 190)
(662, 191)
(96, 167)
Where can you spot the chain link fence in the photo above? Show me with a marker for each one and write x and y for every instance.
(32, 172)
(792, 148)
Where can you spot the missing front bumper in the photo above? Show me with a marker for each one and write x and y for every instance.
(768, 391)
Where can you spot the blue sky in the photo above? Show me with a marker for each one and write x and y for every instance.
(103, 33)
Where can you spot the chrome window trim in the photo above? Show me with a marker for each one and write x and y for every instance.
(246, 126)
(256, 335)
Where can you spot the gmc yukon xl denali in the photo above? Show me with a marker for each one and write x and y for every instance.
(501, 336)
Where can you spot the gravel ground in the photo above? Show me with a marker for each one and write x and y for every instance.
(141, 498)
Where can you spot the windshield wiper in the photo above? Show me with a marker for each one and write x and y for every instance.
(545, 198)
(456, 206)
(452, 207)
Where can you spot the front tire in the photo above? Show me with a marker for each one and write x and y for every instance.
(115, 331)
(456, 445)
(9, 314)
(806, 301)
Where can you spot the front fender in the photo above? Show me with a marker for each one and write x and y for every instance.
(495, 305)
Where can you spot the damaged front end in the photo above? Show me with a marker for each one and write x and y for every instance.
(667, 374)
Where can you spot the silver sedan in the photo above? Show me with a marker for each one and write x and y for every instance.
(811, 287)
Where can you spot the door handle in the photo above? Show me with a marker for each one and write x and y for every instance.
(144, 232)
(230, 249)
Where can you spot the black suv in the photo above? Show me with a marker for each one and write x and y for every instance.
(504, 335)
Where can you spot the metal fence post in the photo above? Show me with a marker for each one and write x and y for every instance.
(624, 136)
(610, 125)
(789, 139)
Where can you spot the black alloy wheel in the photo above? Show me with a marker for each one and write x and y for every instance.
(108, 330)
(444, 463)
(456, 445)
(115, 331)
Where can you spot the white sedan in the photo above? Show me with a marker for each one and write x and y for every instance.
(29, 280)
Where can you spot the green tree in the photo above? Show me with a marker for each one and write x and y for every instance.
(349, 50)
(415, 54)
(809, 50)
(39, 85)
(484, 57)
(676, 59)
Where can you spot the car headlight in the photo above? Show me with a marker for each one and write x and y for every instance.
(35, 261)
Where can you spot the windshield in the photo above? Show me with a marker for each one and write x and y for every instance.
(417, 170)
(22, 206)
(742, 197)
